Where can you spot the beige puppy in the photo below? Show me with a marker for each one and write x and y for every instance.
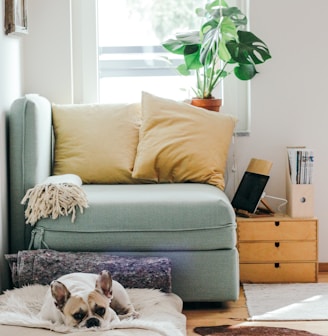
(85, 300)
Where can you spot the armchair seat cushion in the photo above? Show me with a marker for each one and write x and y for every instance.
(188, 216)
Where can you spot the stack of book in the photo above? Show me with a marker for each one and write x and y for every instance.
(300, 161)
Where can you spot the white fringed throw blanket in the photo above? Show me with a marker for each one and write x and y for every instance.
(57, 196)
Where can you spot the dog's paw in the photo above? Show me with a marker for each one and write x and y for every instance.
(131, 315)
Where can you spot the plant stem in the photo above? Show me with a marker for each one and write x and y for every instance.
(204, 83)
(210, 80)
(199, 83)
(218, 76)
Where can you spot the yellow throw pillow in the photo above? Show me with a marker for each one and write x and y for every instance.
(182, 143)
(98, 142)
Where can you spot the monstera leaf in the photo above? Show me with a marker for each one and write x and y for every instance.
(188, 45)
(249, 49)
(178, 44)
(245, 71)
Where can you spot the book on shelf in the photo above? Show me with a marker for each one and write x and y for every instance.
(300, 164)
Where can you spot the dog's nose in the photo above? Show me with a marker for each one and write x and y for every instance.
(92, 322)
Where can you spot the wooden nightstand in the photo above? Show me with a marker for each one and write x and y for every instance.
(278, 249)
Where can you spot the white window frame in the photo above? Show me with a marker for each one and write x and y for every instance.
(85, 65)
(84, 51)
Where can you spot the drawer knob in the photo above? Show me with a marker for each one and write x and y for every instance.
(276, 223)
(276, 265)
(276, 244)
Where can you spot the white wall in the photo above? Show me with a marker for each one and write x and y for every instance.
(289, 96)
(10, 88)
(287, 100)
(47, 50)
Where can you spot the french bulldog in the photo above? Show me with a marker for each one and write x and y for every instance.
(85, 300)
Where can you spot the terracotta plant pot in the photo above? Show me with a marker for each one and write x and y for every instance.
(212, 104)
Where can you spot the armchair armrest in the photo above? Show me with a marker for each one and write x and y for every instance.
(30, 159)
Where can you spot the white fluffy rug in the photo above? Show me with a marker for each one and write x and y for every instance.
(160, 314)
(287, 302)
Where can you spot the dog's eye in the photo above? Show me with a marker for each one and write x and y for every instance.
(100, 311)
(79, 316)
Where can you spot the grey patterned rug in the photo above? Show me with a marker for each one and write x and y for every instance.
(42, 266)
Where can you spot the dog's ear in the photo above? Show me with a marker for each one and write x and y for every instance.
(60, 293)
(104, 284)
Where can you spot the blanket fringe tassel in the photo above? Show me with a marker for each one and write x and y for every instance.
(53, 200)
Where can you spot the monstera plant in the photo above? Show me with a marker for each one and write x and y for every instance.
(219, 48)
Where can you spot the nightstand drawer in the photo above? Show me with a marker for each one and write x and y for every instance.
(277, 251)
(277, 230)
(278, 272)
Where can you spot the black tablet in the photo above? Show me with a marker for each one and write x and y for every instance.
(249, 192)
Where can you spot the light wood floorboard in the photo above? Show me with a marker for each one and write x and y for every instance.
(233, 313)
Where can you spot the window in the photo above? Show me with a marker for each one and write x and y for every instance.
(131, 58)
(127, 36)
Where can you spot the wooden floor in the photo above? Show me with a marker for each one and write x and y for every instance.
(236, 313)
